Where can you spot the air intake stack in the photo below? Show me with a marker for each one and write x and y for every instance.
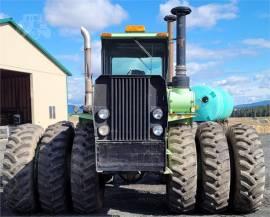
(181, 97)
(180, 79)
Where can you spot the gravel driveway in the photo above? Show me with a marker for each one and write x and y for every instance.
(149, 199)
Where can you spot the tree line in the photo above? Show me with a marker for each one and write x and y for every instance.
(258, 111)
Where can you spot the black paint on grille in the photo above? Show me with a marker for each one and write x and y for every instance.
(130, 109)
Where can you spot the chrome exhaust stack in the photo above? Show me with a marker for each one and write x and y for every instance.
(88, 98)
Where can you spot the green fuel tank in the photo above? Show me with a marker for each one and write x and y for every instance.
(212, 104)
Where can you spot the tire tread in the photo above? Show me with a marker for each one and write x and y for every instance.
(249, 168)
(53, 174)
(86, 188)
(214, 170)
(18, 168)
(182, 184)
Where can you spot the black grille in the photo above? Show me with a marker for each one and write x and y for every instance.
(130, 109)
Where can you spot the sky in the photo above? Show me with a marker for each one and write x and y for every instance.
(228, 41)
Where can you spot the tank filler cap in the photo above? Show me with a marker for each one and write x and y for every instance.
(205, 99)
(181, 10)
(170, 18)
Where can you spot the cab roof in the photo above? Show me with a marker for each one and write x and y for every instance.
(134, 31)
(131, 35)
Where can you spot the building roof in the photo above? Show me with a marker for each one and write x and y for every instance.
(20, 30)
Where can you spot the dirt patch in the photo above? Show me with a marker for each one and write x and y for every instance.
(261, 124)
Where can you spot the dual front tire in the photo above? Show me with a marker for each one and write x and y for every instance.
(52, 170)
(182, 161)
(248, 168)
(38, 168)
(87, 187)
(18, 168)
(214, 171)
(230, 169)
(67, 174)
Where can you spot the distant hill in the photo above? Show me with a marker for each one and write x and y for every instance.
(255, 104)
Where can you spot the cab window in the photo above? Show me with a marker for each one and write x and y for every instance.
(134, 57)
(137, 66)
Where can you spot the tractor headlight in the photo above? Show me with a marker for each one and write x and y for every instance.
(103, 114)
(157, 130)
(104, 130)
(158, 113)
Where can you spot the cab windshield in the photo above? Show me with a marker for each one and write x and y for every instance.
(134, 57)
(137, 65)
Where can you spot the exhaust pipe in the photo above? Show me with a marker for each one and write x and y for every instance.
(170, 19)
(181, 79)
(87, 72)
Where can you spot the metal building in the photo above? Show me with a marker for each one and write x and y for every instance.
(33, 83)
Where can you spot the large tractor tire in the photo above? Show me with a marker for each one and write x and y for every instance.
(87, 187)
(248, 168)
(182, 161)
(19, 167)
(214, 168)
(53, 170)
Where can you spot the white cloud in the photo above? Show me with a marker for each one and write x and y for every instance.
(203, 16)
(232, 80)
(197, 52)
(76, 90)
(246, 89)
(94, 15)
(204, 61)
(3, 15)
(263, 79)
(196, 67)
(165, 9)
(258, 42)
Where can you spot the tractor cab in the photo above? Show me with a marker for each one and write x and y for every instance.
(134, 52)
(130, 101)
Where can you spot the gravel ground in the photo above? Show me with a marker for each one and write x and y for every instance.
(148, 199)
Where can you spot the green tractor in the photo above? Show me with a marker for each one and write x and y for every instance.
(141, 119)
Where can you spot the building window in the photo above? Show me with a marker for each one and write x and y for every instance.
(52, 112)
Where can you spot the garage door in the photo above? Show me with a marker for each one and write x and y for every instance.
(15, 97)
